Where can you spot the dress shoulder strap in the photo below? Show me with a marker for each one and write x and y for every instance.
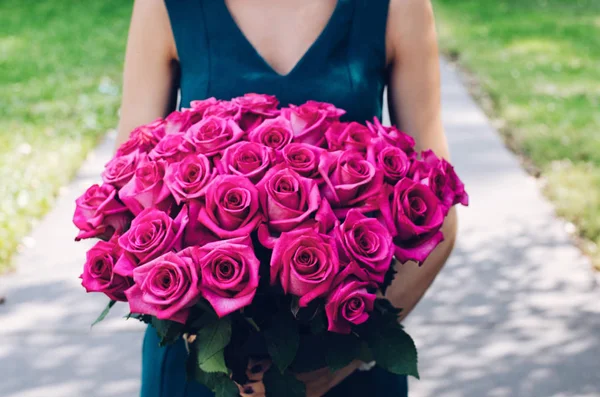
(189, 30)
(369, 29)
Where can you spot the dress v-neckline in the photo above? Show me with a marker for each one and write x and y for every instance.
(318, 42)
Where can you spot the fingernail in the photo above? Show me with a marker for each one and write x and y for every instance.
(248, 390)
(256, 369)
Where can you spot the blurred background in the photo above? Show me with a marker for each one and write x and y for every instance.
(516, 311)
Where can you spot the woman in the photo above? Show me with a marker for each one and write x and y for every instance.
(338, 51)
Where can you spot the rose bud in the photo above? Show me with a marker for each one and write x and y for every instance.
(152, 233)
(98, 213)
(247, 159)
(304, 159)
(147, 189)
(212, 135)
(232, 207)
(350, 302)
(275, 133)
(255, 109)
(224, 110)
(180, 121)
(98, 272)
(349, 136)
(229, 273)
(287, 200)
(170, 148)
(367, 242)
(352, 182)
(440, 176)
(393, 162)
(305, 263)
(165, 288)
(309, 123)
(414, 217)
(144, 138)
(393, 136)
(186, 179)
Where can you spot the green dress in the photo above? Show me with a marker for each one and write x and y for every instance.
(345, 66)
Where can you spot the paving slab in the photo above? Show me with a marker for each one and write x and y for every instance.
(516, 310)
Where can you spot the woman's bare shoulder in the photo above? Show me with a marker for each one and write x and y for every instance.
(410, 23)
(150, 17)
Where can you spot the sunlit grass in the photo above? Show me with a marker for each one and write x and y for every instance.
(539, 63)
(60, 68)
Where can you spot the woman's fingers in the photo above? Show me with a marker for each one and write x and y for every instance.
(255, 373)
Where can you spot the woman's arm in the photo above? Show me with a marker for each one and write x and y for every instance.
(414, 104)
(151, 68)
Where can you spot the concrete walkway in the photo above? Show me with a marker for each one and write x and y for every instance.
(516, 312)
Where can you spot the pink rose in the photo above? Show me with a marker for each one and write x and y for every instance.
(170, 148)
(180, 121)
(393, 136)
(152, 233)
(212, 135)
(146, 189)
(350, 302)
(224, 110)
(305, 159)
(187, 178)
(414, 217)
(165, 288)
(306, 263)
(349, 136)
(287, 200)
(309, 123)
(247, 159)
(367, 242)
(440, 176)
(98, 213)
(333, 113)
(393, 162)
(255, 109)
(121, 169)
(200, 106)
(275, 133)
(143, 138)
(231, 209)
(98, 274)
(229, 273)
(352, 182)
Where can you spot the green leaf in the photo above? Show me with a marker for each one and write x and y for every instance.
(286, 384)
(366, 355)
(341, 350)
(215, 363)
(311, 353)
(318, 324)
(104, 312)
(282, 339)
(168, 331)
(393, 350)
(210, 344)
(194, 372)
(226, 388)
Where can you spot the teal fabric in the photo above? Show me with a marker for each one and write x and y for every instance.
(345, 66)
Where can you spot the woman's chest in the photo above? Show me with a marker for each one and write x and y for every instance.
(344, 65)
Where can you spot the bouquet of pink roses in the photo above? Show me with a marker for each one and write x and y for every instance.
(261, 230)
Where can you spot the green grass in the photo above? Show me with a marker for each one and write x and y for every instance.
(60, 73)
(538, 63)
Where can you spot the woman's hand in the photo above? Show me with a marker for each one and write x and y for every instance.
(317, 382)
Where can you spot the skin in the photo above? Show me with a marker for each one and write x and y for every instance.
(413, 89)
